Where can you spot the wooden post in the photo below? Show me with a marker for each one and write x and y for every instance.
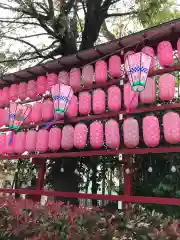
(40, 178)
(127, 182)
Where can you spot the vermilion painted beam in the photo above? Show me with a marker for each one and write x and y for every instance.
(94, 153)
(124, 198)
(115, 81)
(107, 115)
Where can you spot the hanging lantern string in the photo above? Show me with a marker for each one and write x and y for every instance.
(11, 137)
(101, 58)
(131, 101)
(49, 124)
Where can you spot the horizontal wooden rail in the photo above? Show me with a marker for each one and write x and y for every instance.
(107, 84)
(105, 115)
(94, 153)
(123, 198)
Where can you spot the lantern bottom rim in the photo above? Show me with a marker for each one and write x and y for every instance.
(14, 127)
(138, 86)
(59, 110)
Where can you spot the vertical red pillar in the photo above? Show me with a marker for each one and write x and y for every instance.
(41, 165)
(127, 182)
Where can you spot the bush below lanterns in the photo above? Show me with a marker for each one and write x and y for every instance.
(25, 220)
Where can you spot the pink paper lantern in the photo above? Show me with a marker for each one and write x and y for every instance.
(166, 87)
(114, 98)
(150, 51)
(22, 91)
(87, 75)
(9, 149)
(80, 135)
(2, 143)
(131, 132)
(128, 96)
(36, 113)
(63, 77)
(54, 139)
(41, 85)
(115, 70)
(3, 117)
(30, 142)
(51, 80)
(84, 103)
(171, 127)
(99, 101)
(151, 131)
(96, 134)
(72, 109)
(112, 135)
(42, 141)
(5, 96)
(6, 117)
(178, 48)
(148, 95)
(127, 54)
(1, 102)
(165, 53)
(13, 92)
(75, 79)
(47, 110)
(101, 71)
(67, 140)
(19, 146)
(31, 89)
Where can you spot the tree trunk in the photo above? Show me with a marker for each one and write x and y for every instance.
(16, 183)
(103, 179)
(94, 183)
(66, 181)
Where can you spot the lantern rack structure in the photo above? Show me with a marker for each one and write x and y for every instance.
(153, 37)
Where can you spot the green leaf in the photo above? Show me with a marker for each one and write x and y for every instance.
(143, 237)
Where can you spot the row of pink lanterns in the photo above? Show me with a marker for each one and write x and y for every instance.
(45, 111)
(43, 140)
(76, 78)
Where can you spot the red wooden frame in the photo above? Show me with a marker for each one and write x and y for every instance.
(95, 153)
(123, 198)
(127, 198)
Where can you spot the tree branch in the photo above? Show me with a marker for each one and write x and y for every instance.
(19, 22)
(51, 9)
(121, 14)
(83, 6)
(106, 32)
(34, 35)
(25, 42)
(19, 60)
(67, 7)
(24, 11)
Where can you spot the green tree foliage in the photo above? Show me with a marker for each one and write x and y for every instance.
(153, 12)
(163, 181)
